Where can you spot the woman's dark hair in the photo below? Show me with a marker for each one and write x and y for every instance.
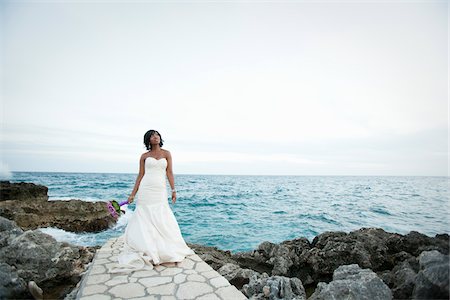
(147, 136)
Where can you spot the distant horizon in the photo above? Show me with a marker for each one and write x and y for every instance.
(280, 175)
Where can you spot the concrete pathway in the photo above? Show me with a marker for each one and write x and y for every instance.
(189, 279)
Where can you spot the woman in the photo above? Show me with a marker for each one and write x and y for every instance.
(152, 235)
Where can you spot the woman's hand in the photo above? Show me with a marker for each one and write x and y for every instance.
(174, 197)
(130, 199)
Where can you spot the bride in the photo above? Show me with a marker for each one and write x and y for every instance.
(152, 236)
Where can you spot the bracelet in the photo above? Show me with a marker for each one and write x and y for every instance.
(174, 190)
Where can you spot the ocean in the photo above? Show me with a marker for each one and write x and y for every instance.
(237, 213)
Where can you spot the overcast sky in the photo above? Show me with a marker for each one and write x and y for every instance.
(295, 88)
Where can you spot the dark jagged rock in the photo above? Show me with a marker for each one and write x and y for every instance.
(11, 285)
(401, 279)
(258, 260)
(22, 191)
(352, 282)
(213, 256)
(274, 288)
(394, 257)
(433, 278)
(223, 262)
(365, 247)
(277, 259)
(35, 256)
(415, 243)
(236, 275)
(31, 209)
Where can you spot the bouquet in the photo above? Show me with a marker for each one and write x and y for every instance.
(114, 208)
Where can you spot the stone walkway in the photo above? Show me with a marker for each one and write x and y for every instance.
(190, 279)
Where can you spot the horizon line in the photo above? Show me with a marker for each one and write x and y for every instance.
(348, 175)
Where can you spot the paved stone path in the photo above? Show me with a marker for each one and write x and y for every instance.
(190, 279)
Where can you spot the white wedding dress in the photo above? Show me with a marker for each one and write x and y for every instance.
(152, 235)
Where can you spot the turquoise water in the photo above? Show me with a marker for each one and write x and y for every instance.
(237, 213)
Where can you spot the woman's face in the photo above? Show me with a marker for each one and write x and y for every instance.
(155, 138)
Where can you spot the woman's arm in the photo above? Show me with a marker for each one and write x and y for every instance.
(170, 177)
(138, 179)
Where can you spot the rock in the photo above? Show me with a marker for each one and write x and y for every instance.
(415, 243)
(277, 259)
(276, 256)
(222, 262)
(255, 260)
(22, 191)
(297, 248)
(8, 231)
(387, 278)
(365, 247)
(401, 278)
(404, 278)
(34, 256)
(11, 285)
(213, 256)
(285, 288)
(433, 278)
(32, 210)
(274, 288)
(236, 275)
(257, 286)
(352, 282)
(397, 258)
(229, 271)
(371, 248)
(393, 256)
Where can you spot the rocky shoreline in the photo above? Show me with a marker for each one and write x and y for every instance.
(368, 263)
(35, 257)
(27, 204)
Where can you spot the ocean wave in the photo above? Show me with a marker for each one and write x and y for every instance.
(62, 198)
(201, 204)
(380, 210)
(321, 217)
(5, 172)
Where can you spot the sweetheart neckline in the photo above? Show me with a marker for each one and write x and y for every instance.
(156, 158)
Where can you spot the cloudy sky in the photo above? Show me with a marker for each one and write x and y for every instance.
(234, 87)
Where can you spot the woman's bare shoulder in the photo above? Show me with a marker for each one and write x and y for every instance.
(166, 153)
